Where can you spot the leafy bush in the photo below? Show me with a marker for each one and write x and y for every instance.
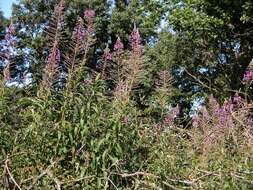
(81, 128)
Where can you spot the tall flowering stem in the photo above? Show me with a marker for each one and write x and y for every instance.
(76, 56)
(59, 13)
(118, 46)
(89, 16)
(118, 54)
(135, 41)
(131, 67)
(135, 60)
(53, 59)
(248, 76)
(54, 33)
(77, 45)
(52, 64)
(10, 32)
(79, 32)
(56, 23)
(9, 50)
(106, 58)
(6, 72)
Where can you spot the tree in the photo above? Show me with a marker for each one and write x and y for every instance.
(214, 45)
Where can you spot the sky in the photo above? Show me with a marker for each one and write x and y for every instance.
(5, 6)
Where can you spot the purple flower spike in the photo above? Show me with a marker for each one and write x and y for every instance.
(53, 59)
(169, 119)
(118, 46)
(135, 40)
(248, 76)
(9, 50)
(237, 99)
(195, 120)
(79, 31)
(107, 56)
(89, 15)
(60, 7)
(10, 33)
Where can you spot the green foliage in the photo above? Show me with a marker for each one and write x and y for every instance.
(214, 47)
(110, 124)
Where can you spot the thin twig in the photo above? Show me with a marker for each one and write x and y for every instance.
(231, 174)
(9, 173)
(211, 173)
(198, 80)
(241, 178)
(125, 175)
(77, 180)
(45, 172)
(186, 182)
(154, 176)
(149, 184)
(170, 186)
(57, 181)
(112, 183)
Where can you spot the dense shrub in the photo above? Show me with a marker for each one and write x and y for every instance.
(80, 128)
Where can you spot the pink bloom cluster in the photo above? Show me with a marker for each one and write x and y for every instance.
(53, 59)
(60, 7)
(225, 114)
(9, 34)
(169, 118)
(237, 99)
(107, 56)
(89, 15)
(118, 46)
(79, 32)
(135, 40)
(250, 121)
(248, 76)
(220, 116)
(217, 122)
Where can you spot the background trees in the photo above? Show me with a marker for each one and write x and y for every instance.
(214, 45)
(114, 19)
(206, 44)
